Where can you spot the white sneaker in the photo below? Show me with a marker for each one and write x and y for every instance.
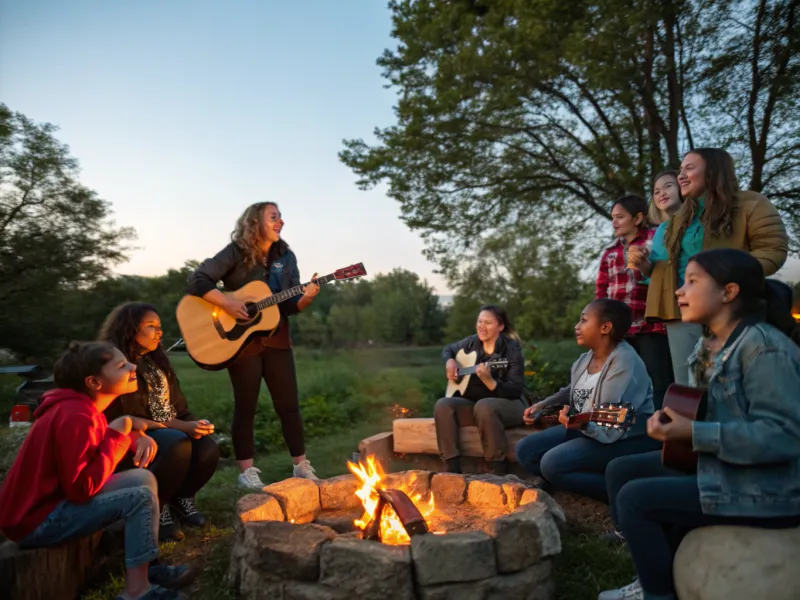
(305, 470)
(632, 591)
(250, 479)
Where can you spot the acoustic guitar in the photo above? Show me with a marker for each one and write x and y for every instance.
(466, 368)
(614, 416)
(691, 403)
(214, 339)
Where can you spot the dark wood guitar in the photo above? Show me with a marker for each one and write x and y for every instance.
(691, 403)
(615, 416)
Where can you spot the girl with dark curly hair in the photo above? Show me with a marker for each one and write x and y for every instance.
(187, 456)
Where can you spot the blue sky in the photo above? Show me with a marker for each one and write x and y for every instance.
(184, 112)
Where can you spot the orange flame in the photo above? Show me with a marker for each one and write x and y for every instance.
(392, 531)
(796, 315)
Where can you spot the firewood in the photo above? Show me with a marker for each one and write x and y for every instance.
(409, 515)
(373, 529)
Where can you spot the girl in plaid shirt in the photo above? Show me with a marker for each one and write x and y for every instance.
(617, 279)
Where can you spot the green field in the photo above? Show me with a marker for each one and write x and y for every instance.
(345, 397)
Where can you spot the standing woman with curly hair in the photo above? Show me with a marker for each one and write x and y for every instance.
(715, 214)
(187, 456)
(257, 252)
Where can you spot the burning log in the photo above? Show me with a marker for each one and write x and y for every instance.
(408, 514)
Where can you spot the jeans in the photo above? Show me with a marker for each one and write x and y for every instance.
(653, 348)
(682, 339)
(276, 367)
(570, 461)
(491, 415)
(654, 508)
(130, 496)
(182, 465)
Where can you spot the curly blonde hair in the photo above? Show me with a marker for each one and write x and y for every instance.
(249, 234)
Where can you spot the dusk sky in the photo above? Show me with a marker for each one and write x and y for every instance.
(182, 113)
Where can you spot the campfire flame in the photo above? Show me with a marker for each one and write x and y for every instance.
(796, 315)
(372, 479)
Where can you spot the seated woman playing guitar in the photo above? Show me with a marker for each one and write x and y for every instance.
(575, 459)
(187, 457)
(492, 400)
(747, 443)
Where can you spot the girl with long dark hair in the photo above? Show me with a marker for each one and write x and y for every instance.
(748, 441)
(187, 456)
(493, 400)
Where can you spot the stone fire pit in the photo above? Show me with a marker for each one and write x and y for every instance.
(297, 541)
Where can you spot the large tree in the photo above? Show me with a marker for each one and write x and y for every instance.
(56, 235)
(515, 110)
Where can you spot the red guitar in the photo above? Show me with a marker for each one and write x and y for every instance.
(691, 403)
(616, 416)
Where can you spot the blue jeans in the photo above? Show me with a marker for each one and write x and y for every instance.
(570, 461)
(130, 496)
(654, 508)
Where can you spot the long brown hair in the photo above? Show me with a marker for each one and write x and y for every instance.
(249, 233)
(721, 187)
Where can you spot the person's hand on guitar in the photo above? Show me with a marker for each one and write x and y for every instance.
(677, 428)
(311, 289)
(235, 308)
(451, 368)
(485, 373)
(563, 416)
(527, 415)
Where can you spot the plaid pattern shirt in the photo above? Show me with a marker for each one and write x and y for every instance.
(615, 280)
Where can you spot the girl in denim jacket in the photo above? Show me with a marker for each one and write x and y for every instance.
(748, 443)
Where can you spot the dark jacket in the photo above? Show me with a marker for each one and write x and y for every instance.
(137, 404)
(230, 267)
(510, 380)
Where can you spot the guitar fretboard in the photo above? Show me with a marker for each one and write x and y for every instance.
(471, 370)
(290, 293)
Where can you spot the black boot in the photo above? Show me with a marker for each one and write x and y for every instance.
(498, 467)
(187, 512)
(453, 465)
(168, 529)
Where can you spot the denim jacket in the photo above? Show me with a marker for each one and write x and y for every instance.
(230, 267)
(749, 441)
(623, 379)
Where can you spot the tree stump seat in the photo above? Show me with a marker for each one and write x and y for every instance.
(61, 571)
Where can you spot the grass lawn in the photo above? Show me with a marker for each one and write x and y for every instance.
(345, 397)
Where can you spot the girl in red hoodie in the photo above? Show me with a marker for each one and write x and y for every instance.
(61, 485)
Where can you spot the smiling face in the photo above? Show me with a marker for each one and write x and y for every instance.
(273, 223)
(149, 334)
(117, 377)
(488, 327)
(692, 176)
(666, 194)
(701, 298)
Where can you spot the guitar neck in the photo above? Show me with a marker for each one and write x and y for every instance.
(610, 417)
(284, 295)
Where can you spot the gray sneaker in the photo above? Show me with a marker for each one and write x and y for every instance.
(305, 470)
(632, 591)
(250, 479)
